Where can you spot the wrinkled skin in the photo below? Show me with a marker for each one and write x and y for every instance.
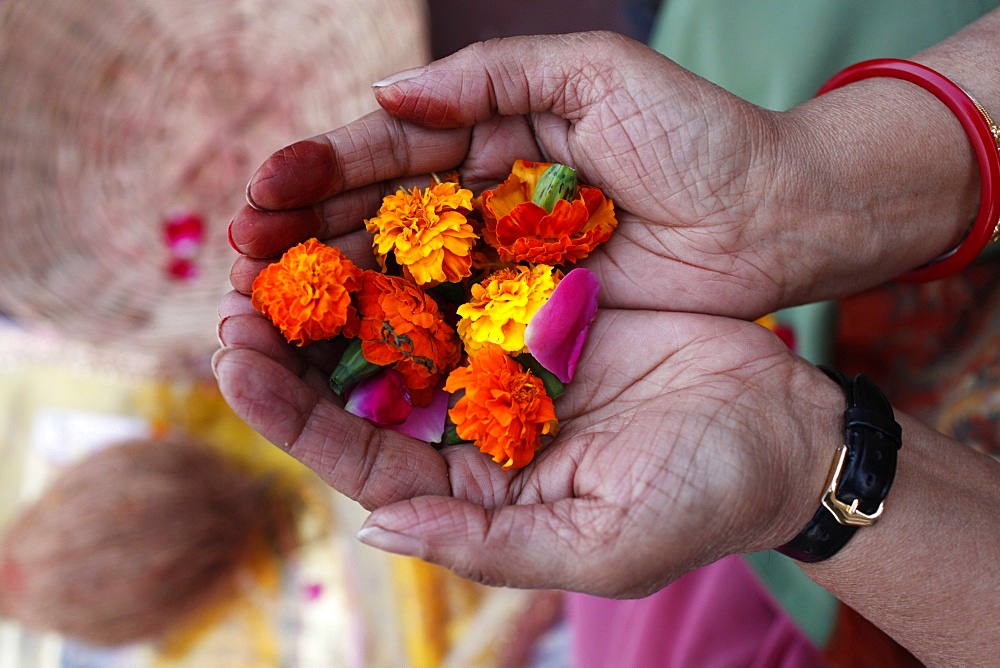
(675, 425)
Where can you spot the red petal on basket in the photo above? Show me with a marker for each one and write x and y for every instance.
(556, 334)
(184, 234)
(182, 269)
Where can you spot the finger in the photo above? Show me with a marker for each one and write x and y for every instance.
(555, 545)
(564, 74)
(235, 303)
(244, 271)
(313, 363)
(373, 466)
(264, 234)
(243, 328)
(373, 148)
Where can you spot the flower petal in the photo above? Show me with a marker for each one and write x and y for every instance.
(384, 401)
(504, 409)
(381, 399)
(555, 336)
(427, 423)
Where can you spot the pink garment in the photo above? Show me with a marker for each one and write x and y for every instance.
(720, 615)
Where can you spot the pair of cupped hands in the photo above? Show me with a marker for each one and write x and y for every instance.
(689, 433)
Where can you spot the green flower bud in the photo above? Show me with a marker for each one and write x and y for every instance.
(556, 183)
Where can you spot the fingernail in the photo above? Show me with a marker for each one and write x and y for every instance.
(229, 235)
(218, 331)
(390, 541)
(216, 357)
(399, 76)
(249, 196)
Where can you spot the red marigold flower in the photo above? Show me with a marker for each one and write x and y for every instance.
(505, 409)
(523, 231)
(307, 293)
(402, 326)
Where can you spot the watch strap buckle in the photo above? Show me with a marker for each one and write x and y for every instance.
(846, 513)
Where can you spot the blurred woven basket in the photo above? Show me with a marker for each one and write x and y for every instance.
(117, 114)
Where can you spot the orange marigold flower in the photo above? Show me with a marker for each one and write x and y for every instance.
(402, 326)
(427, 233)
(307, 293)
(503, 304)
(504, 410)
(523, 231)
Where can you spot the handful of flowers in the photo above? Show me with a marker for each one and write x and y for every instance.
(475, 307)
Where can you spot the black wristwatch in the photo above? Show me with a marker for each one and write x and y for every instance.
(861, 474)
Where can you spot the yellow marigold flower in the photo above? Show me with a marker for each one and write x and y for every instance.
(427, 233)
(504, 410)
(307, 294)
(503, 304)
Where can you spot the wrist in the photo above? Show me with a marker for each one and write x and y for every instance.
(930, 554)
(861, 474)
(875, 179)
(806, 417)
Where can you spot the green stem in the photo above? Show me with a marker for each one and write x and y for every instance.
(553, 386)
(451, 436)
(352, 368)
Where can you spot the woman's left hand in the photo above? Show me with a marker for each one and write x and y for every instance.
(682, 438)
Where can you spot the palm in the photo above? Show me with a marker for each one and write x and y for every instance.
(676, 159)
(667, 244)
(648, 457)
(649, 450)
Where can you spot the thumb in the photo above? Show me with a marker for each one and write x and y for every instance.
(563, 74)
(526, 546)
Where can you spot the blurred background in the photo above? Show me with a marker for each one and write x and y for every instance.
(128, 130)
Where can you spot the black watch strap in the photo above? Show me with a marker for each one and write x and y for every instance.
(861, 474)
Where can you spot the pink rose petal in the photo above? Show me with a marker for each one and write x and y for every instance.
(556, 334)
(383, 400)
(427, 423)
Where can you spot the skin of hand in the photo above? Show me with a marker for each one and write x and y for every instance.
(675, 448)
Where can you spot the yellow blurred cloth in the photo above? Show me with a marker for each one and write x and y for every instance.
(337, 603)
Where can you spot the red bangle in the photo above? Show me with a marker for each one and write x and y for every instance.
(982, 132)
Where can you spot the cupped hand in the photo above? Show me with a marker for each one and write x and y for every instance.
(688, 166)
(683, 438)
